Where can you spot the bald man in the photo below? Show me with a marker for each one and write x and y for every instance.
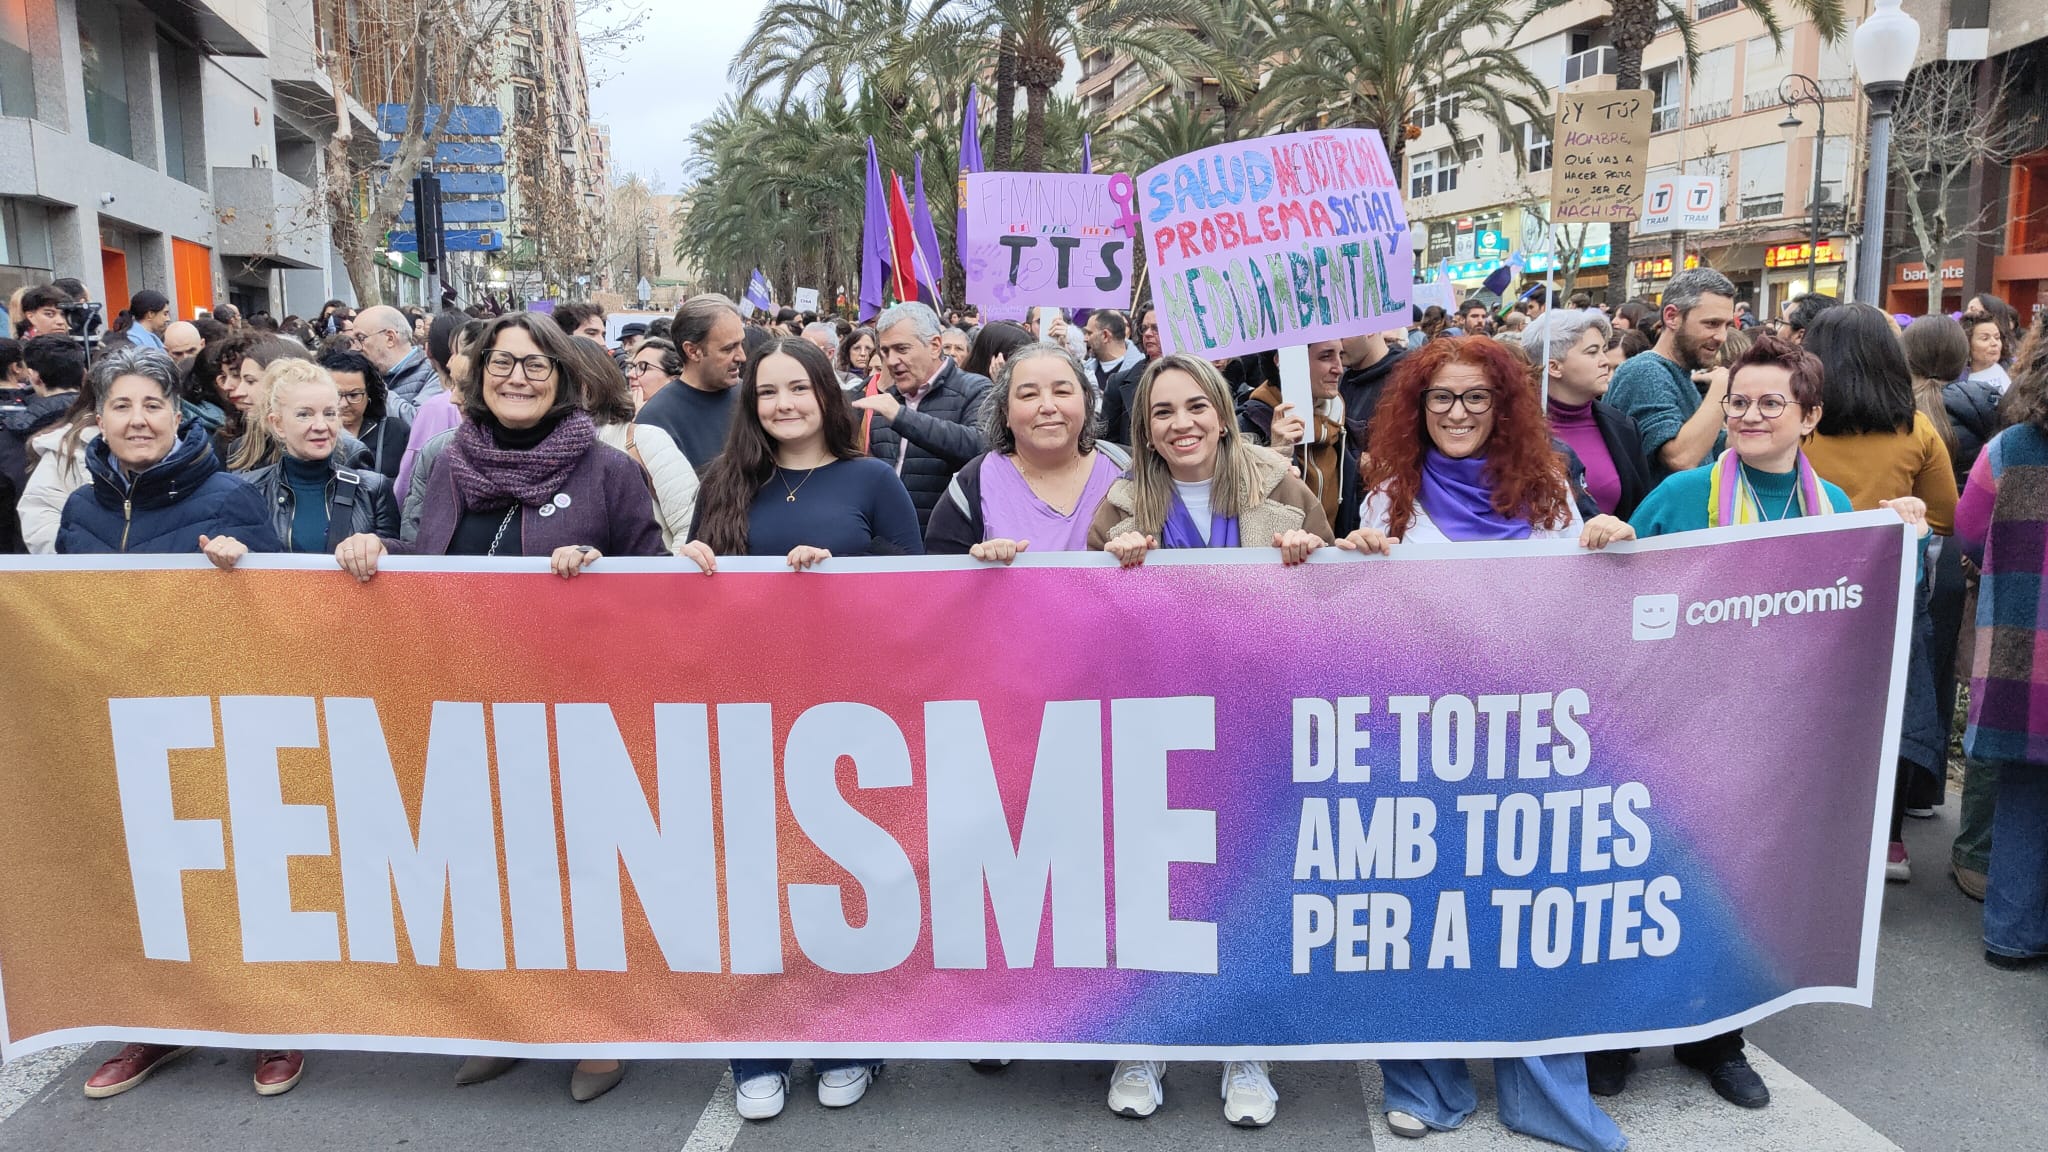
(384, 335)
(182, 340)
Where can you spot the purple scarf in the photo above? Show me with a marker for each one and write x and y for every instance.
(490, 477)
(1179, 530)
(1458, 497)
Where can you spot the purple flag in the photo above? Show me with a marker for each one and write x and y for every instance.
(970, 162)
(925, 236)
(1087, 154)
(874, 241)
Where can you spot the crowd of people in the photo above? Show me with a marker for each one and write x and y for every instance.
(365, 433)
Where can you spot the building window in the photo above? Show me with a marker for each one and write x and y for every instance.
(1421, 176)
(17, 66)
(24, 234)
(1665, 97)
(173, 68)
(1834, 170)
(1837, 70)
(1763, 182)
(1764, 67)
(105, 61)
(1442, 109)
(1443, 238)
(1536, 147)
(1713, 86)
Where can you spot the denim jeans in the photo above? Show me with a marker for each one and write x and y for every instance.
(1541, 1096)
(1980, 803)
(745, 1070)
(2016, 901)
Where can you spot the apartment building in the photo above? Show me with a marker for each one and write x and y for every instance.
(175, 144)
(557, 162)
(1113, 87)
(2004, 205)
(1474, 203)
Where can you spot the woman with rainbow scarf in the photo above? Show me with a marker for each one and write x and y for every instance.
(1773, 404)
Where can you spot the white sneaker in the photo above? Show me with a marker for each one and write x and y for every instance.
(761, 1097)
(1249, 1100)
(1137, 1088)
(842, 1087)
(1402, 1124)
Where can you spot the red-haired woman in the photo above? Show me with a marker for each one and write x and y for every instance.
(1460, 452)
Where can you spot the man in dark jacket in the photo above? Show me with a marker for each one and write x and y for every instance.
(1116, 364)
(1368, 362)
(927, 423)
(57, 368)
(384, 335)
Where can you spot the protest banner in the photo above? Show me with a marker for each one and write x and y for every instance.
(806, 300)
(1049, 238)
(1680, 201)
(1603, 148)
(1476, 799)
(1441, 293)
(1276, 240)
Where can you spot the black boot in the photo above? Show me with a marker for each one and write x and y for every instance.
(1607, 1072)
(1737, 1083)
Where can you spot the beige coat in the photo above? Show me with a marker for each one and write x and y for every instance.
(1285, 504)
(670, 478)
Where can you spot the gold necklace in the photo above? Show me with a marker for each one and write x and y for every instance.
(791, 497)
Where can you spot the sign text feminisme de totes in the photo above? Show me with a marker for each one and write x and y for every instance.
(1139, 829)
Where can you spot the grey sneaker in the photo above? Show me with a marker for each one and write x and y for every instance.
(1137, 1088)
(1249, 1100)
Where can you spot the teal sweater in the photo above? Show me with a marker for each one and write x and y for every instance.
(1679, 504)
(308, 482)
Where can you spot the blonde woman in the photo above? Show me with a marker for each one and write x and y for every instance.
(1196, 482)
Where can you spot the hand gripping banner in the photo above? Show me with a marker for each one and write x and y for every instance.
(1474, 800)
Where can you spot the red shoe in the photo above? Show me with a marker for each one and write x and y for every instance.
(131, 1066)
(278, 1072)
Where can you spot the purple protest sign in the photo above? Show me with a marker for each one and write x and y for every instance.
(1275, 241)
(1047, 238)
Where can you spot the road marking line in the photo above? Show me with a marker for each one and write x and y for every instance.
(720, 1124)
(21, 1080)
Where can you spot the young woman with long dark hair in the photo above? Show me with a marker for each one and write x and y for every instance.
(792, 480)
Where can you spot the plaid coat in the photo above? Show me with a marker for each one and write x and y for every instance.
(2002, 524)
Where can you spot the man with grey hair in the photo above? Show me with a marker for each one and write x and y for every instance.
(1674, 391)
(927, 422)
(825, 336)
(384, 336)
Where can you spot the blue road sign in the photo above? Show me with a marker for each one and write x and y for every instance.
(453, 152)
(461, 211)
(453, 240)
(472, 183)
(468, 120)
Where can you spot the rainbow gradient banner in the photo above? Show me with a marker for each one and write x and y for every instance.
(1478, 800)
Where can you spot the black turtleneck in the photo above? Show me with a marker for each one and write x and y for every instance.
(521, 439)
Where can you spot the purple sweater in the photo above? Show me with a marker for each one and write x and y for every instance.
(609, 509)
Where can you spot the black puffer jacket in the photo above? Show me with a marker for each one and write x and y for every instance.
(1973, 415)
(941, 435)
(357, 502)
(17, 425)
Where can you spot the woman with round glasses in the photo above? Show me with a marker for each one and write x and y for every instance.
(1461, 451)
(525, 474)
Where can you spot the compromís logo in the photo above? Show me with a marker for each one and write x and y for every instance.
(1841, 596)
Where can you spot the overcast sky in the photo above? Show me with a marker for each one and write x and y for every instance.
(650, 93)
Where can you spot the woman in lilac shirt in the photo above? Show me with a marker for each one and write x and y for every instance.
(1044, 475)
(1603, 437)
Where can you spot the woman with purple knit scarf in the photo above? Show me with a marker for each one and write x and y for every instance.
(526, 476)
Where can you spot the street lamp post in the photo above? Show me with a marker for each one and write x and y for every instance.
(1883, 49)
(1795, 90)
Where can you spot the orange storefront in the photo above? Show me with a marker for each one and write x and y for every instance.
(1907, 293)
(2020, 275)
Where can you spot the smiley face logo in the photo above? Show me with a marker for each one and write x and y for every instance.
(1656, 617)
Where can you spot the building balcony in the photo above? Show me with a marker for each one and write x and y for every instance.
(268, 217)
(1759, 207)
(1713, 110)
(1707, 8)
(218, 27)
(1582, 66)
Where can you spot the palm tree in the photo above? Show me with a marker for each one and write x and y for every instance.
(1349, 64)
(1045, 32)
(1633, 24)
(1160, 134)
(1246, 35)
(829, 45)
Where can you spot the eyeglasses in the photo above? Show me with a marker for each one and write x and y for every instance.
(1475, 400)
(1769, 407)
(534, 367)
(351, 399)
(639, 368)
